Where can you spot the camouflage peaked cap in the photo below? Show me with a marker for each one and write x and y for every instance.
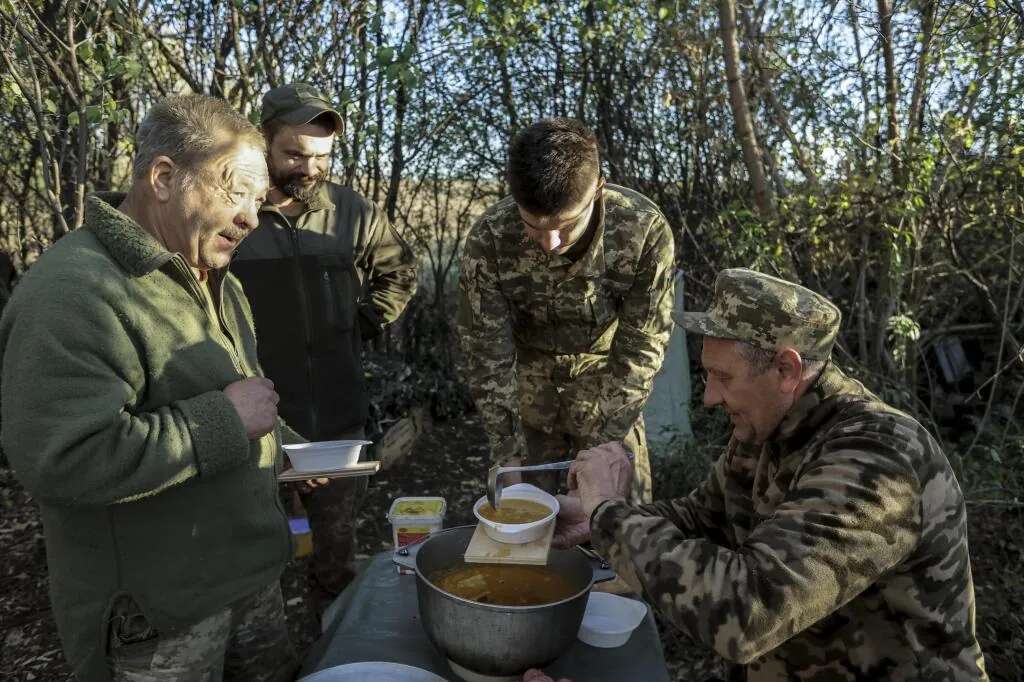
(767, 312)
(297, 104)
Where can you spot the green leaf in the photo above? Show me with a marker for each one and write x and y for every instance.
(663, 12)
(85, 51)
(73, 119)
(93, 113)
(385, 55)
(131, 69)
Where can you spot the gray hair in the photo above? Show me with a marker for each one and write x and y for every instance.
(190, 130)
(761, 359)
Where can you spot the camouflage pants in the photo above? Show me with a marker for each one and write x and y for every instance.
(332, 510)
(246, 641)
(552, 447)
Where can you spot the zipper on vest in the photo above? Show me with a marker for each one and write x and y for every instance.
(307, 316)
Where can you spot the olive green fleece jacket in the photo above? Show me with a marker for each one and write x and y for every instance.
(112, 413)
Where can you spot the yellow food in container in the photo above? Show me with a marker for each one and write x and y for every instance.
(413, 519)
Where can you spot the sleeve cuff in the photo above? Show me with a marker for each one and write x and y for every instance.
(605, 514)
(219, 440)
(371, 325)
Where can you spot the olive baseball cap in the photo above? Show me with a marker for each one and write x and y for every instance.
(297, 104)
(767, 312)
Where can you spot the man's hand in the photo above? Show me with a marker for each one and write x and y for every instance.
(572, 526)
(311, 484)
(256, 403)
(600, 473)
(534, 675)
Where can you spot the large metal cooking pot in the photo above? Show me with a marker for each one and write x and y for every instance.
(499, 640)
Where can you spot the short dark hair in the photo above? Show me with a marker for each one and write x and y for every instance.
(552, 164)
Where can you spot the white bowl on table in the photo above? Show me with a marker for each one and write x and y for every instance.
(324, 456)
(519, 533)
(610, 619)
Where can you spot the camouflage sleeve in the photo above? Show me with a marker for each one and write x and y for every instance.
(853, 514)
(617, 396)
(488, 356)
(390, 266)
(701, 514)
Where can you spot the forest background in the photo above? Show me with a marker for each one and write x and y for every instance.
(871, 150)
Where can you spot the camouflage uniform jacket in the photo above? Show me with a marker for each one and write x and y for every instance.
(835, 551)
(563, 345)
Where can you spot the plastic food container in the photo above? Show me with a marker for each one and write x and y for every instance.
(413, 519)
(610, 619)
(519, 533)
(324, 456)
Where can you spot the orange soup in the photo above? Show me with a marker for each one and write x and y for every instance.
(515, 510)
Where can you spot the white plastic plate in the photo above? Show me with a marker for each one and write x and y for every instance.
(372, 671)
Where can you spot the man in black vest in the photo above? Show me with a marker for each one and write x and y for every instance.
(324, 272)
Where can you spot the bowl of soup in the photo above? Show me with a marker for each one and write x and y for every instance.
(524, 514)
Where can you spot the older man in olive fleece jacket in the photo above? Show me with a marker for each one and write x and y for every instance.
(134, 412)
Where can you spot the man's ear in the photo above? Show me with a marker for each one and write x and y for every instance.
(161, 178)
(790, 367)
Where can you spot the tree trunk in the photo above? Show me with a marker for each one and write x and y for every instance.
(778, 112)
(740, 112)
(916, 117)
(891, 88)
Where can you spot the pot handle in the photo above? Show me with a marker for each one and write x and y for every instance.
(601, 568)
(406, 556)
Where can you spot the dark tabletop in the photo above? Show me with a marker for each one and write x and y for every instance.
(378, 620)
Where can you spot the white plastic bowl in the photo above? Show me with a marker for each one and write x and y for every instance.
(373, 671)
(610, 619)
(519, 533)
(324, 456)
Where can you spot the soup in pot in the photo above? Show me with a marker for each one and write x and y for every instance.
(505, 585)
(514, 510)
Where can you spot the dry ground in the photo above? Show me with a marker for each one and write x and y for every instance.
(450, 461)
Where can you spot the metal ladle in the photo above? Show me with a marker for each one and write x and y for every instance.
(494, 484)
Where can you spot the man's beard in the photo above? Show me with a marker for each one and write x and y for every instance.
(293, 187)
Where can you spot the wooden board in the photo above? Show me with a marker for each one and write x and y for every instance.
(483, 550)
(358, 469)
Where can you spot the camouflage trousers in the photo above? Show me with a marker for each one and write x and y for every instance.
(557, 445)
(332, 510)
(246, 641)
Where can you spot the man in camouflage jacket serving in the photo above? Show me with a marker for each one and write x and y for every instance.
(829, 541)
(565, 303)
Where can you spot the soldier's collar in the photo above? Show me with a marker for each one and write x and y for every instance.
(804, 413)
(592, 262)
(320, 200)
(137, 251)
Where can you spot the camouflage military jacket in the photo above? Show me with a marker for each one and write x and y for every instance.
(563, 345)
(836, 551)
